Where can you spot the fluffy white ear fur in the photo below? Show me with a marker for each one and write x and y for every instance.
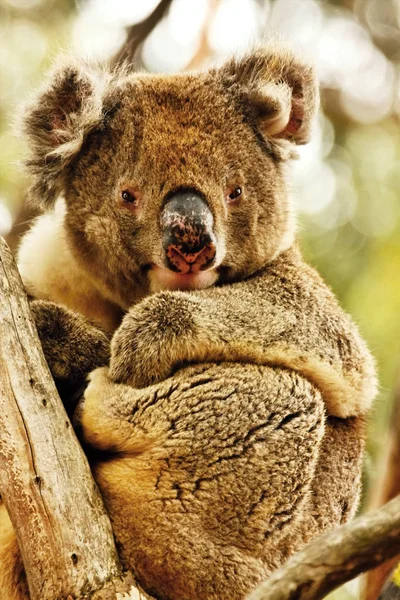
(278, 98)
(281, 88)
(56, 122)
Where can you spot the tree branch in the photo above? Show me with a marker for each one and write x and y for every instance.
(336, 557)
(137, 33)
(63, 531)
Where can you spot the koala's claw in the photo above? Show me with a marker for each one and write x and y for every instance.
(97, 382)
(72, 347)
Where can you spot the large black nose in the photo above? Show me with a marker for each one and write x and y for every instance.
(188, 239)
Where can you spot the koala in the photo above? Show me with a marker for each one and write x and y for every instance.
(230, 419)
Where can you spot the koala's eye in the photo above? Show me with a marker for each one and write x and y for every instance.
(129, 197)
(236, 193)
(231, 194)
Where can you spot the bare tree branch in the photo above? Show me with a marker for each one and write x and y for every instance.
(336, 557)
(204, 50)
(137, 33)
(63, 531)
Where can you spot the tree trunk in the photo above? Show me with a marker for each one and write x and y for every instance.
(63, 531)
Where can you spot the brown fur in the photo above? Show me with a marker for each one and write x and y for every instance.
(240, 433)
(157, 134)
(224, 324)
(12, 575)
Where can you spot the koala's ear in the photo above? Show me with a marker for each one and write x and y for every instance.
(280, 88)
(56, 123)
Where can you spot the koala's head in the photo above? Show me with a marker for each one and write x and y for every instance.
(172, 182)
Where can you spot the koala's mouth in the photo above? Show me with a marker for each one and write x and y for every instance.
(162, 278)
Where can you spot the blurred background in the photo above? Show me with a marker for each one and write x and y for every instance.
(347, 182)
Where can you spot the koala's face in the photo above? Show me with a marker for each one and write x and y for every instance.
(175, 182)
(177, 188)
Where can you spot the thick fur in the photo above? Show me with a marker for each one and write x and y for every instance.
(232, 468)
(229, 426)
(223, 324)
(49, 271)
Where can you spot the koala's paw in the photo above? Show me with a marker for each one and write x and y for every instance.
(98, 419)
(154, 336)
(71, 345)
(90, 410)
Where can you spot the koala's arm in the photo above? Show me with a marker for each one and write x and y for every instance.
(72, 346)
(247, 322)
(170, 329)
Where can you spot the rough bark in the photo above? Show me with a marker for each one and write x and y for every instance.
(63, 531)
(336, 557)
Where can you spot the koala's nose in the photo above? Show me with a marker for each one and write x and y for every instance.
(188, 239)
(193, 261)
